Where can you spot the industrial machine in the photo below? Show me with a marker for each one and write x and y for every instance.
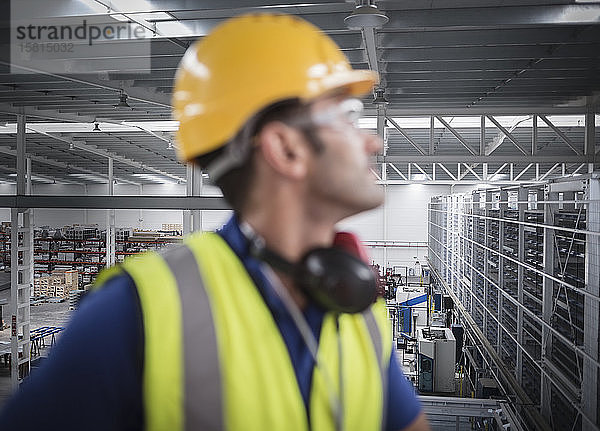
(436, 359)
(412, 308)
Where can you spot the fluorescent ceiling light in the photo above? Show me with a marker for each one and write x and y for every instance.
(90, 177)
(154, 178)
(43, 180)
(38, 179)
(119, 17)
(154, 126)
(152, 16)
(485, 186)
(418, 177)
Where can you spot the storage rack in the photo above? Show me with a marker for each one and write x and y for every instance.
(83, 248)
(529, 261)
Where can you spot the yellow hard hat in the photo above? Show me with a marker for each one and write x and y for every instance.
(248, 63)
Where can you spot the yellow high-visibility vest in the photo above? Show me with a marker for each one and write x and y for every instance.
(215, 358)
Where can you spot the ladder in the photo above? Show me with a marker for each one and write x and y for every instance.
(21, 282)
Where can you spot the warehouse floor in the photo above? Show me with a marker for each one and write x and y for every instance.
(53, 314)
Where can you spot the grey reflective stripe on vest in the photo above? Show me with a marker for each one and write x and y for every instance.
(202, 374)
(378, 341)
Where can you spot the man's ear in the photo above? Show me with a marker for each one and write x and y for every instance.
(284, 149)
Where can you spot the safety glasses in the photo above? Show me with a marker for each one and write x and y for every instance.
(347, 112)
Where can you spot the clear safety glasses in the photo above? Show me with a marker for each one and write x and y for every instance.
(347, 112)
(340, 115)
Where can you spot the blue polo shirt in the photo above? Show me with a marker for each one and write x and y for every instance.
(92, 378)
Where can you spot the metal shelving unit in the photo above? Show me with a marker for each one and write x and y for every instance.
(524, 263)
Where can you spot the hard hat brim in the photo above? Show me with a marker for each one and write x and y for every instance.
(354, 82)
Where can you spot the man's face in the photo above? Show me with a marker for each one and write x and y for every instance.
(340, 178)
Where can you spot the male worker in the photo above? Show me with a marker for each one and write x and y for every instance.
(265, 325)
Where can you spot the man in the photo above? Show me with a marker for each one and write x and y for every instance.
(264, 325)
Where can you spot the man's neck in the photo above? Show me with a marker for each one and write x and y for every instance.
(290, 232)
(290, 235)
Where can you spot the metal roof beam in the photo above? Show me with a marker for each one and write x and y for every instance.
(441, 165)
(507, 134)
(417, 109)
(134, 93)
(458, 158)
(49, 114)
(560, 134)
(115, 202)
(469, 168)
(493, 17)
(102, 153)
(397, 170)
(513, 64)
(51, 162)
(46, 177)
(456, 134)
(422, 171)
(454, 53)
(408, 138)
(507, 36)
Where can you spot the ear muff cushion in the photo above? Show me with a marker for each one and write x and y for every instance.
(350, 242)
(337, 280)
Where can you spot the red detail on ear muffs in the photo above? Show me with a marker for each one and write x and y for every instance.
(349, 242)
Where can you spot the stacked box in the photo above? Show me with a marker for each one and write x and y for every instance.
(60, 274)
(81, 232)
(63, 280)
(54, 282)
(71, 281)
(72, 278)
(40, 286)
(122, 234)
(172, 227)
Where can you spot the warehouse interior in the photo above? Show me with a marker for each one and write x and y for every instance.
(487, 246)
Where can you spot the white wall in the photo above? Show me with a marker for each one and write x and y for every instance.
(405, 207)
(406, 220)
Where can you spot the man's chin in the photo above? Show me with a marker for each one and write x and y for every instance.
(372, 201)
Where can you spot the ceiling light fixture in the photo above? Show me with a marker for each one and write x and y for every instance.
(122, 102)
(96, 128)
(365, 15)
